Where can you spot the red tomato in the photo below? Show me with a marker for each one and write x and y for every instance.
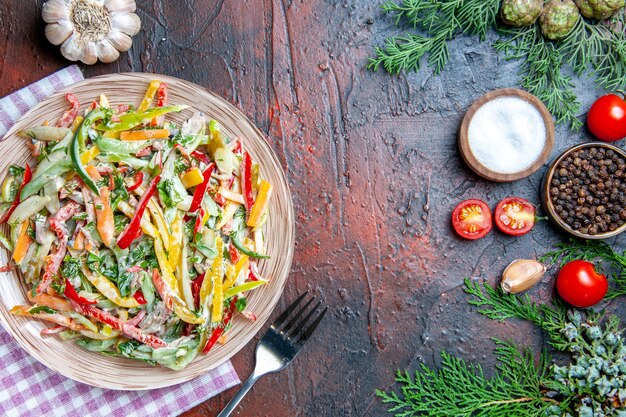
(471, 219)
(580, 285)
(515, 216)
(607, 118)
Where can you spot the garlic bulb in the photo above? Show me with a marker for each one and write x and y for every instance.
(88, 30)
(521, 274)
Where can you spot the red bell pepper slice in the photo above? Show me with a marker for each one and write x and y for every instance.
(237, 148)
(197, 227)
(70, 292)
(220, 330)
(234, 254)
(139, 297)
(128, 329)
(26, 179)
(138, 181)
(183, 152)
(133, 229)
(69, 115)
(200, 156)
(161, 96)
(201, 189)
(196, 284)
(246, 180)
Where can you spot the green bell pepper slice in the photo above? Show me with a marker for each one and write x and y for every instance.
(234, 237)
(242, 288)
(78, 145)
(128, 121)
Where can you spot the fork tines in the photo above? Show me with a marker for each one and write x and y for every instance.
(296, 330)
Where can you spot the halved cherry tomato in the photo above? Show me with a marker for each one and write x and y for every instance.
(471, 219)
(515, 216)
(580, 285)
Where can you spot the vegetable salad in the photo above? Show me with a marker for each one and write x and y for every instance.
(137, 237)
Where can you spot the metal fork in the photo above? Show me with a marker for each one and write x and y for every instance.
(280, 345)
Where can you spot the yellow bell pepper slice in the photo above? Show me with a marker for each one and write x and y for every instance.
(147, 227)
(23, 243)
(166, 268)
(184, 280)
(206, 217)
(260, 205)
(229, 212)
(149, 96)
(242, 264)
(76, 123)
(108, 289)
(111, 135)
(171, 282)
(192, 177)
(161, 223)
(217, 269)
(186, 315)
(218, 297)
(89, 155)
(176, 241)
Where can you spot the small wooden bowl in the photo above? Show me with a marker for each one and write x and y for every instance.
(483, 171)
(547, 202)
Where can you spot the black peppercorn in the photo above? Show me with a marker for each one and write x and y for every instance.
(588, 190)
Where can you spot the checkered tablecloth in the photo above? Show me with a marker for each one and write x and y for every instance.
(29, 389)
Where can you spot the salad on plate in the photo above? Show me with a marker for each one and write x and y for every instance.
(136, 237)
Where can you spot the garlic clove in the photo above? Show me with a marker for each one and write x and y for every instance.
(106, 51)
(128, 23)
(90, 53)
(58, 32)
(120, 5)
(521, 274)
(55, 10)
(121, 41)
(70, 48)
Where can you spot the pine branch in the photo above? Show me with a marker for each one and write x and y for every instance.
(497, 305)
(442, 21)
(460, 389)
(542, 71)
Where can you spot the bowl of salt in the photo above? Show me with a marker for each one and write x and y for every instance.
(506, 135)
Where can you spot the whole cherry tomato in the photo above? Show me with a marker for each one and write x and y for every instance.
(515, 216)
(471, 219)
(607, 118)
(580, 285)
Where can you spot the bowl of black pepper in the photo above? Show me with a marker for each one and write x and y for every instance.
(584, 191)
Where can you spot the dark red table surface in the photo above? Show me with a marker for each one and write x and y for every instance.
(374, 170)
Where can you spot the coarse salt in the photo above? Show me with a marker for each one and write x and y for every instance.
(507, 134)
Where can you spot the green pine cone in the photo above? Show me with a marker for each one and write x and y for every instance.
(603, 9)
(585, 8)
(558, 18)
(520, 12)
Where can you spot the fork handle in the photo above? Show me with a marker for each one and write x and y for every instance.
(239, 396)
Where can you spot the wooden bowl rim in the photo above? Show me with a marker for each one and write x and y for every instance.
(479, 168)
(547, 202)
(137, 375)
